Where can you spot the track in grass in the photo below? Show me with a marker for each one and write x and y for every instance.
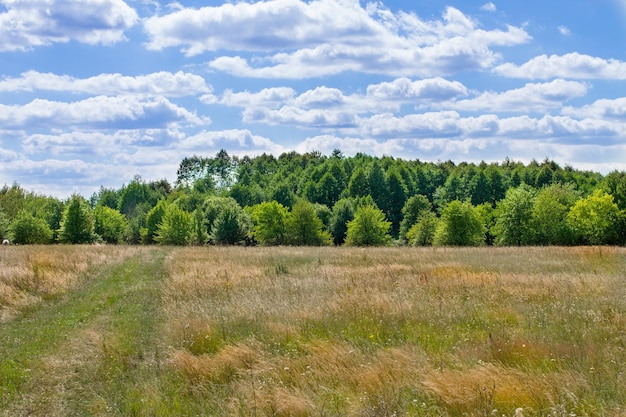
(89, 351)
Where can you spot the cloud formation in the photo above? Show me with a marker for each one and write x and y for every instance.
(29, 23)
(325, 37)
(93, 92)
(573, 65)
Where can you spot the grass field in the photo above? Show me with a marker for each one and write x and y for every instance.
(230, 331)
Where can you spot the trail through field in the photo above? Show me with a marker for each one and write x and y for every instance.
(91, 351)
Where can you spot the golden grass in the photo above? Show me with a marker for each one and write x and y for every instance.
(357, 332)
(29, 274)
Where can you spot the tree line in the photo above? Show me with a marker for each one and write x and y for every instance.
(315, 199)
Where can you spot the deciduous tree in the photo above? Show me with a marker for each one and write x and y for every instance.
(369, 227)
(459, 225)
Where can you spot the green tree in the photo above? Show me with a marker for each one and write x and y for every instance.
(4, 225)
(77, 225)
(368, 228)
(480, 189)
(595, 219)
(342, 213)
(549, 215)
(270, 220)
(379, 189)
(213, 206)
(27, 229)
(413, 209)
(487, 215)
(459, 225)
(358, 185)
(304, 228)
(422, 233)
(109, 224)
(231, 226)
(175, 228)
(514, 215)
(396, 198)
(199, 234)
(153, 220)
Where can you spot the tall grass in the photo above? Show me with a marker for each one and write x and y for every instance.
(29, 274)
(397, 331)
(234, 331)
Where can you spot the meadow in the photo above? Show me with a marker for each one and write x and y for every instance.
(301, 331)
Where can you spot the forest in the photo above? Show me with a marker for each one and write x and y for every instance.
(313, 199)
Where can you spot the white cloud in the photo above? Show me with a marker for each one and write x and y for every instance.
(572, 65)
(564, 30)
(603, 109)
(158, 83)
(237, 141)
(29, 23)
(324, 37)
(88, 144)
(488, 7)
(530, 98)
(433, 90)
(327, 107)
(100, 112)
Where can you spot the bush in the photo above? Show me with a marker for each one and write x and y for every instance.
(175, 229)
(29, 230)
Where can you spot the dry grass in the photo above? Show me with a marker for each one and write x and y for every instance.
(360, 332)
(29, 274)
(234, 331)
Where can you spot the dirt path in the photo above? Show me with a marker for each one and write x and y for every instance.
(93, 351)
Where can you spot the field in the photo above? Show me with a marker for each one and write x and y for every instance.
(234, 331)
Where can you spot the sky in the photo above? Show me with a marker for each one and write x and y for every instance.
(95, 92)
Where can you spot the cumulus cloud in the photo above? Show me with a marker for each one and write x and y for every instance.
(29, 23)
(159, 83)
(530, 98)
(100, 112)
(452, 125)
(426, 90)
(237, 141)
(600, 109)
(572, 65)
(326, 107)
(98, 144)
(318, 38)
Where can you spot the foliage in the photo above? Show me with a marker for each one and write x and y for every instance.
(593, 219)
(4, 225)
(199, 234)
(77, 225)
(342, 213)
(175, 228)
(109, 224)
(231, 226)
(459, 225)
(368, 228)
(304, 227)
(422, 233)
(270, 220)
(518, 204)
(29, 230)
(513, 223)
(153, 220)
(413, 209)
(549, 215)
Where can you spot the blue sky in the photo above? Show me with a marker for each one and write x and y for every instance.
(94, 92)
